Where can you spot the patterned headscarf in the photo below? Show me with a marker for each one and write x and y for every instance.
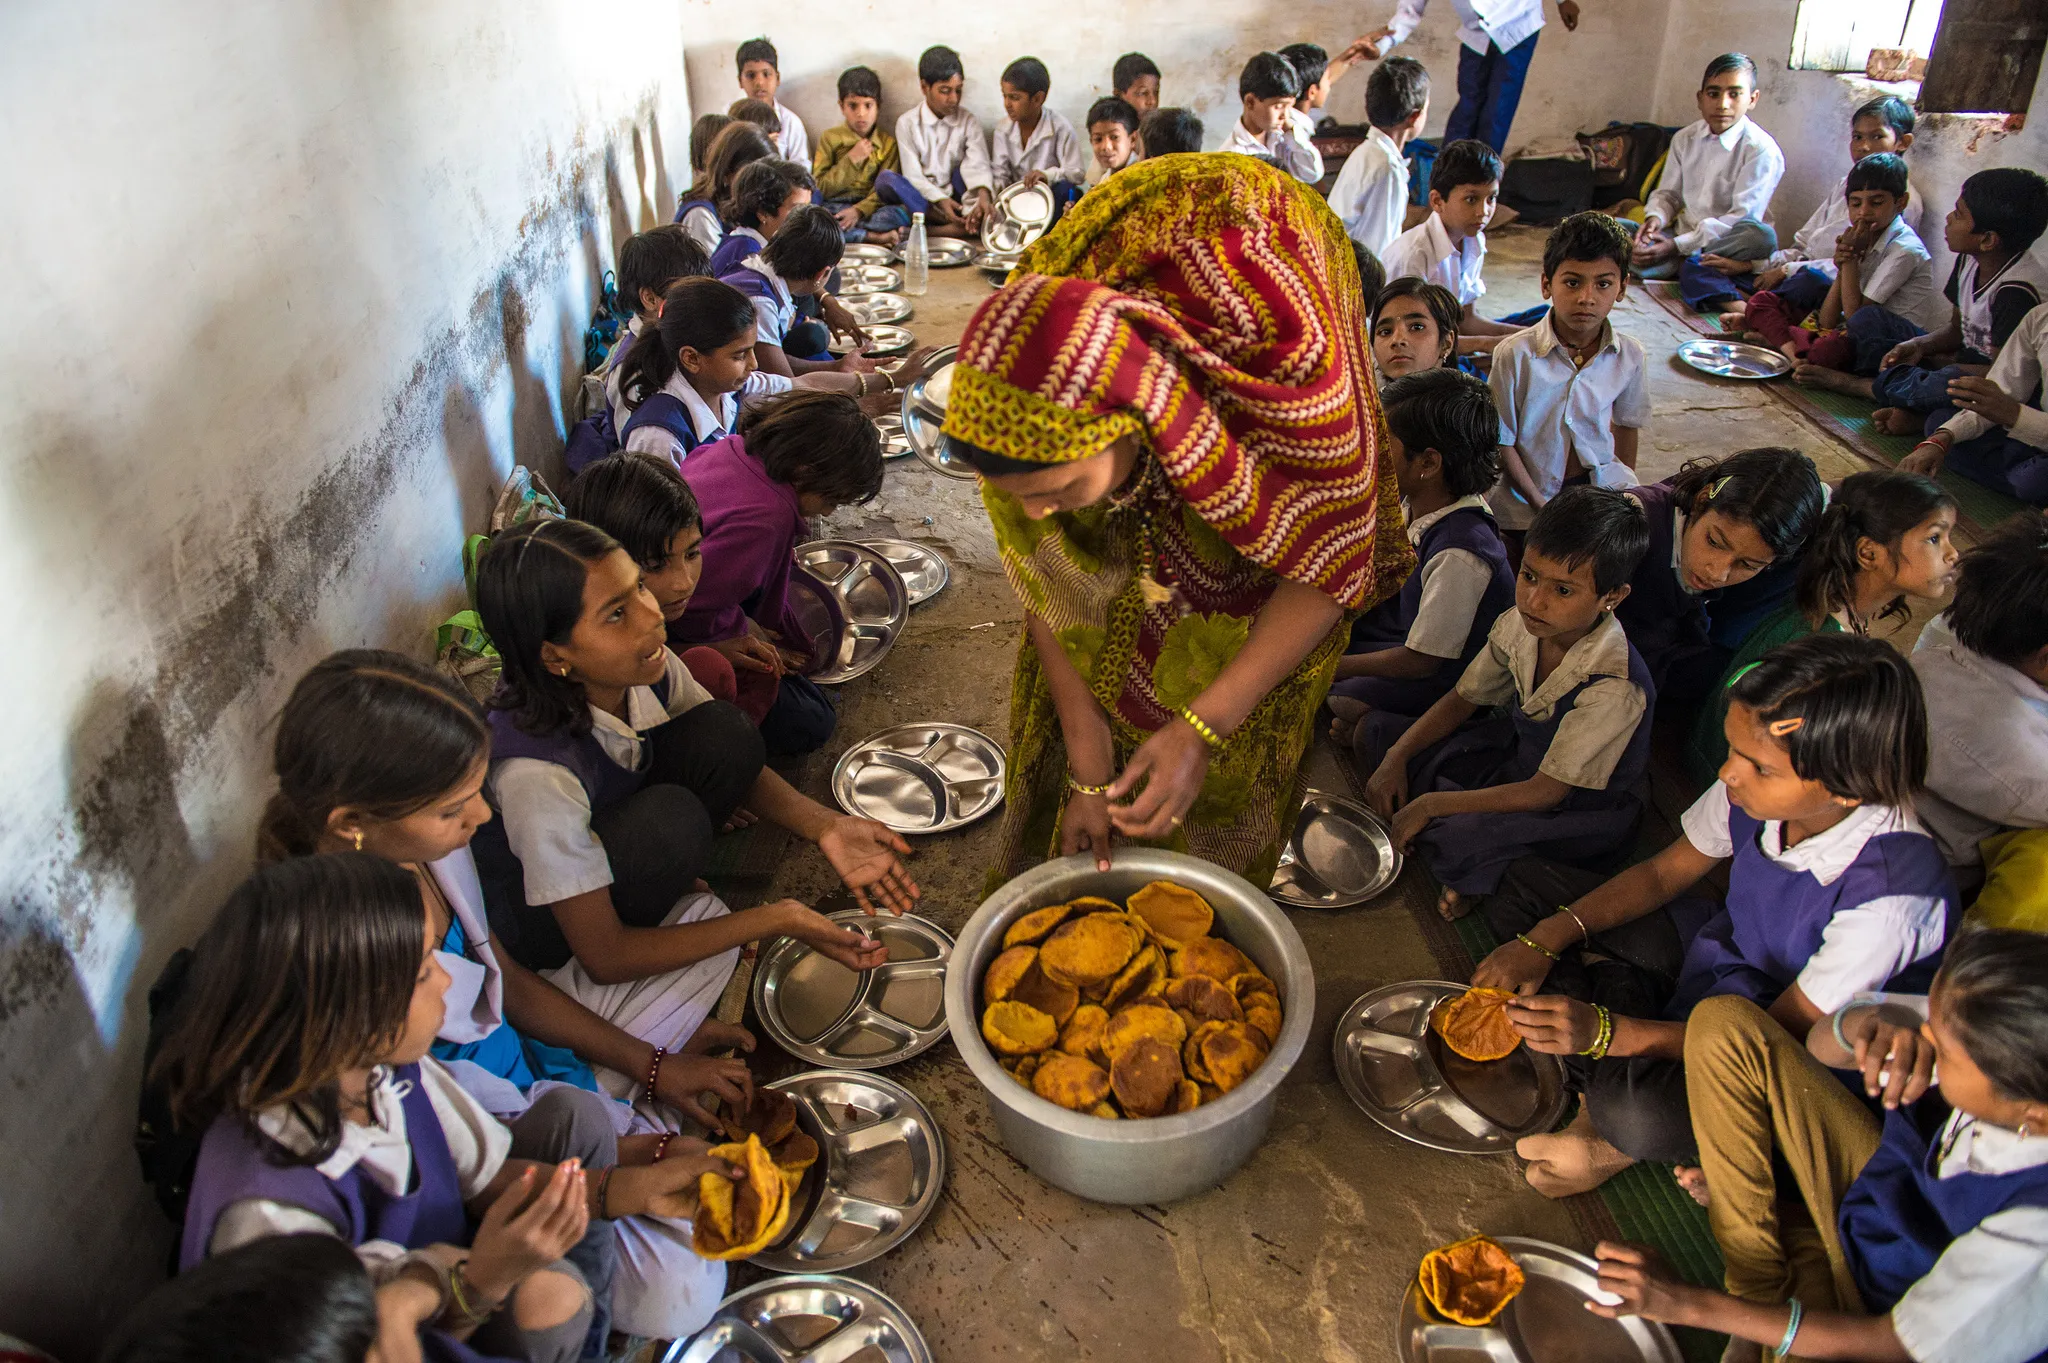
(1210, 304)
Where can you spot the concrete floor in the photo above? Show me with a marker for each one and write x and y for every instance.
(1306, 1252)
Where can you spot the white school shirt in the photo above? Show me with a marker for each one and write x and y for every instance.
(1710, 183)
(707, 422)
(1861, 947)
(546, 810)
(1302, 129)
(2021, 363)
(1425, 251)
(795, 142)
(1371, 193)
(1292, 156)
(1898, 276)
(1504, 23)
(773, 317)
(1590, 739)
(932, 148)
(1453, 583)
(1556, 412)
(1813, 245)
(1987, 735)
(702, 226)
(1054, 148)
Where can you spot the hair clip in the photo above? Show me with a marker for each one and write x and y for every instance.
(1780, 727)
(1743, 672)
(1719, 483)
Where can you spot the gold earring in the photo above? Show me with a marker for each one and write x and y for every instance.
(359, 840)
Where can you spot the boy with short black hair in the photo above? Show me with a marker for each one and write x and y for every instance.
(946, 174)
(1164, 132)
(1268, 87)
(1112, 138)
(1449, 246)
(761, 77)
(1371, 193)
(852, 156)
(763, 197)
(1036, 145)
(794, 264)
(1136, 82)
(1318, 72)
(1714, 197)
(1573, 392)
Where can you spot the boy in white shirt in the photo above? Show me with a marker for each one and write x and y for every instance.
(1135, 80)
(1318, 72)
(946, 174)
(761, 78)
(1573, 394)
(1036, 145)
(1371, 193)
(1112, 137)
(1496, 42)
(1449, 246)
(1714, 197)
(1268, 87)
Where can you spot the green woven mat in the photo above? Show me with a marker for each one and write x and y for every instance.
(1978, 504)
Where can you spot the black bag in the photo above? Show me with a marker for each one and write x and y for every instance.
(1621, 156)
(169, 1155)
(1547, 189)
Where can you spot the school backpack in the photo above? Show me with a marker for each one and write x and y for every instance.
(1547, 189)
(1624, 156)
(603, 332)
(462, 649)
(1421, 154)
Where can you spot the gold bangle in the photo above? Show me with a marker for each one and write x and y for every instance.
(1082, 788)
(1530, 942)
(1201, 726)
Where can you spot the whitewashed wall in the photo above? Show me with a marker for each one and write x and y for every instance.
(288, 289)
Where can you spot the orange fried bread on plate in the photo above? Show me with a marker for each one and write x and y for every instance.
(1475, 1024)
(1471, 1281)
(739, 1220)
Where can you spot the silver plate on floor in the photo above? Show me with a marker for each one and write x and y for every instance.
(924, 416)
(872, 601)
(881, 341)
(895, 444)
(998, 267)
(1022, 214)
(948, 253)
(811, 1318)
(1735, 359)
(879, 309)
(864, 253)
(924, 569)
(822, 1012)
(1340, 854)
(1402, 1076)
(1547, 1322)
(865, 279)
(922, 778)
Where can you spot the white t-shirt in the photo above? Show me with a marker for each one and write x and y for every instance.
(795, 143)
(1371, 193)
(1557, 413)
(1454, 581)
(1897, 275)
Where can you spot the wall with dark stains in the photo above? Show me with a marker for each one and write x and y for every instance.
(289, 290)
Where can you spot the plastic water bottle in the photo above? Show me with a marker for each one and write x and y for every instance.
(917, 258)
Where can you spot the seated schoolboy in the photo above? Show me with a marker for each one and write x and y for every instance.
(1996, 281)
(946, 174)
(1268, 87)
(1800, 273)
(796, 264)
(1725, 540)
(761, 78)
(1714, 197)
(1371, 193)
(1558, 774)
(1414, 327)
(763, 197)
(1135, 80)
(1036, 145)
(1112, 138)
(1449, 246)
(1165, 132)
(851, 156)
(1984, 667)
(1834, 888)
(1922, 1235)
(1319, 71)
(1572, 391)
(702, 210)
(1407, 652)
(1993, 430)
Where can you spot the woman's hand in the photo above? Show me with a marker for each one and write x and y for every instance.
(1172, 764)
(1897, 1060)
(668, 1188)
(865, 855)
(686, 1078)
(1084, 827)
(1411, 819)
(1554, 1024)
(1634, 1274)
(525, 1231)
(1387, 790)
(1514, 967)
(751, 654)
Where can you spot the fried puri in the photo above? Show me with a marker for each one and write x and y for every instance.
(1176, 914)
(1204, 998)
(1035, 926)
(1075, 1084)
(1014, 1028)
(1146, 1077)
(1082, 1035)
(1211, 956)
(1046, 994)
(1145, 1018)
(739, 1220)
(1475, 1024)
(1146, 974)
(1089, 951)
(1004, 971)
(1472, 1281)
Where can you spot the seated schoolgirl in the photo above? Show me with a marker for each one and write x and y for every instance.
(1932, 1241)
(796, 264)
(1559, 773)
(1443, 441)
(763, 197)
(383, 754)
(300, 1048)
(610, 769)
(704, 205)
(1834, 888)
(1883, 545)
(1725, 537)
(1414, 327)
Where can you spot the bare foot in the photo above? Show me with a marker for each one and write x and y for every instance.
(1573, 1161)
(1790, 350)
(712, 1035)
(1815, 376)
(741, 818)
(1896, 421)
(1693, 1180)
(1452, 905)
(1345, 714)
(1732, 321)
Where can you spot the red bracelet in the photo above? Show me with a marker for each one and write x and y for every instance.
(662, 1145)
(654, 1070)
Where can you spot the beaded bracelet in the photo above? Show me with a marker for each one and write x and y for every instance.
(661, 1146)
(1604, 1038)
(1530, 942)
(1201, 726)
(1083, 788)
(654, 1070)
(1791, 1328)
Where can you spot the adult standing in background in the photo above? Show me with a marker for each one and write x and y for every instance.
(1497, 40)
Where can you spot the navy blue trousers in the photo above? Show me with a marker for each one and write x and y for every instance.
(1489, 88)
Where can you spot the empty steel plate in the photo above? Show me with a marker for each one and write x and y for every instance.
(810, 1318)
(923, 569)
(1340, 854)
(864, 279)
(1735, 359)
(1402, 1076)
(946, 253)
(1023, 212)
(878, 309)
(881, 341)
(922, 778)
(1547, 1322)
(863, 253)
(872, 605)
(895, 444)
(924, 416)
(998, 267)
(820, 1011)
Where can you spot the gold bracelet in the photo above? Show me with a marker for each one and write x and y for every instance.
(1530, 942)
(1082, 788)
(1201, 726)
(861, 391)
(1585, 934)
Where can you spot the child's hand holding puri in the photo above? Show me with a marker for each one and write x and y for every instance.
(1554, 1024)
(665, 1189)
(521, 1236)
(685, 1079)
(1513, 967)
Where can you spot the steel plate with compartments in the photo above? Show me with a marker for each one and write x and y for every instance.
(1402, 1076)
(895, 444)
(865, 279)
(924, 569)
(862, 253)
(924, 414)
(998, 267)
(922, 778)
(873, 605)
(1735, 359)
(1547, 1322)
(879, 309)
(947, 253)
(1340, 854)
(820, 1011)
(810, 1318)
(1023, 212)
(881, 341)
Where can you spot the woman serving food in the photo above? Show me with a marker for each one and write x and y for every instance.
(1172, 412)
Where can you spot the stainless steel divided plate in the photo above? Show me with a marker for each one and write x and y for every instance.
(881, 341)
(924, 570)
(1734, 359)
(811, 1318)
(820, 1011)
(862, 253)
(998, 268)
(1340, 854)
(1021, 217)
(878, 309)
(1402, 1076)
(1547, 1322)
(945, 253)
(922, 778)
(860, 279)
(924, 415)
(872, 600)
(895, 444)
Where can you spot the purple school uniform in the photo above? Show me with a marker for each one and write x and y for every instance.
(732, 252)
(684, 206)
(754, 284)
(1387, 624)
(604, 781)
(751, 527)
(235, 1163)
(1775, 916)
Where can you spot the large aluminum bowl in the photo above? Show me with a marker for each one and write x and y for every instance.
(1160, 1159)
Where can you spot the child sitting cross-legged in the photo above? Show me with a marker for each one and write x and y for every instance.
(1558, 774)
(1371, 193)
(760, 71)
(1036, 145)
(1410, 650)
(704, 204)
(796, 264)
(1449, 246)
(946, 173)
(1833, 889)
(1267, 88)
(1713, 201)
(1112, 138)
(1993, 429)
(851, 157)
(1414, 327)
